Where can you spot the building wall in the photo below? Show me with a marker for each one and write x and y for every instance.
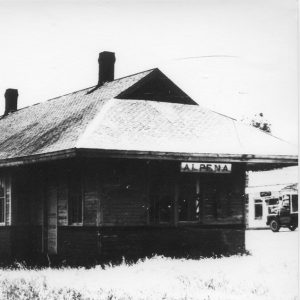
(5, 242)
(257, 208)
(122, 210)
(5, 234)
(123, 192)
(115, 242)
(266, 182)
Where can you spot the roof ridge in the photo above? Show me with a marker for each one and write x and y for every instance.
(91, 87)
(264, 132)
(88, 88)
(249, 126)
(153, 69)
(94, 121)
(68, 94)
(38, 103)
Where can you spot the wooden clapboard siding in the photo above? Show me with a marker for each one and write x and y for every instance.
(62, 199)
(162, 186)
(81, 244)
(223, 197)
(89, 194)
(78, 242)
(23, 195)
(5, 241)
(123, 194)
(120, 192)
(37, 199)
(90, 208)
(238, 197)
(90, 197)
(26, 192)
(170, 241)
(124, 207)
(117, 199)
(51, 200)
(8, 200)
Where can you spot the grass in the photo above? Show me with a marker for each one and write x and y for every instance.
(270, 273)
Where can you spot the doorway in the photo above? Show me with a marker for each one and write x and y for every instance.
(50, 221)
(189, 199)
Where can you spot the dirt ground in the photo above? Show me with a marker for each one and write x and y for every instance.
(267, 244)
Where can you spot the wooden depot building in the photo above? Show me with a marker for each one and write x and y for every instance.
(130, 167)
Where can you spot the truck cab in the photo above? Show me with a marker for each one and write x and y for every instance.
(285, 213)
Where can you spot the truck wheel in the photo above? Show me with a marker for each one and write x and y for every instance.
(274, 225)
(292, 227)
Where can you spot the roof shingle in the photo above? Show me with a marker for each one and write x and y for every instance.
(56, 124)
(170, 127)
(94, 119)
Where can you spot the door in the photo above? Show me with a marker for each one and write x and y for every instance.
(189, 199)
(50, 243)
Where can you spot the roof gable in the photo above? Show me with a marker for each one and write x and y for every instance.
(156, 86)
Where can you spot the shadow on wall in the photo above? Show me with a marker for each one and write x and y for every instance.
(131, 245)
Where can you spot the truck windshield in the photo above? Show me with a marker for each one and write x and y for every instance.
(272, 201)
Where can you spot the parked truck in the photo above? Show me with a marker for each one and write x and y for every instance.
(285, 213)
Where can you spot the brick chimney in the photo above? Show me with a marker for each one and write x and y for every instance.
(106, 67)
(11, 101)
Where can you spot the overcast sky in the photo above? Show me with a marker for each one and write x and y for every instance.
(237, 57)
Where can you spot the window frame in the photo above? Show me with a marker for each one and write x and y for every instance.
(192, 209)
(75, 181)
(2, 180)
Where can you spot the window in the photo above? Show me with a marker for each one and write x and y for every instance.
(5, 200)
(75, 200)
(258, 209)
(165, 209)
(161, 209)
(188, 198)
(272, 201)
(189, 206)
(2, 202)
(294, 203)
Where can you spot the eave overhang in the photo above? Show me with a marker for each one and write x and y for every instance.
(253, 162)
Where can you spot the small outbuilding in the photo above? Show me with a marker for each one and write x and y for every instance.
(264, 191)
(130, 167)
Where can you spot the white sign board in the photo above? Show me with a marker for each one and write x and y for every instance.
(190, 167)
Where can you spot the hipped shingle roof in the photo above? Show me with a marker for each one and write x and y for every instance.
(94, 119)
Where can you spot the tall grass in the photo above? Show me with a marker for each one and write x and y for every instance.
(257, 276)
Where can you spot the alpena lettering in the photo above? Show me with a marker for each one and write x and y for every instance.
(205, 167)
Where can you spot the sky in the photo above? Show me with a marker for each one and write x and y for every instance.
(236, 57)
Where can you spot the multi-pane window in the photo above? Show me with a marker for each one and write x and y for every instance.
(75, 200)
(2, 202)
(165, 209)
(161, 210)
(188, 203)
